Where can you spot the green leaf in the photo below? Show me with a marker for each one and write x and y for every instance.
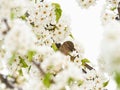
(117, 79)
(20, 72)
(23, 63)
(30, 55)
(54, 47)
(23, 17)
(58, 11)
(113, 8)
(12, 15)
(47, 79)
(12, 59)
(71, 36)
(85, 60)
(70, 81)
(105, 83)
(80, 82)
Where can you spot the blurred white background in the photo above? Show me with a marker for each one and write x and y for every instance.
(86, 28)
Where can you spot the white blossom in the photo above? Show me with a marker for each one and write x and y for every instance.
(16, 7)
(86, 3)
(43, 19)
(110, 47)
(110, 11)
(55, 63)
(20, 38)
(71, 72)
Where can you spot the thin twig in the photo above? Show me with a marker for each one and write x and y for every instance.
(6, 82)
(6, 22)
(88, 66)
(84, 71)
(41, 70)
(7, 25)
(39, 67)
(118, 9)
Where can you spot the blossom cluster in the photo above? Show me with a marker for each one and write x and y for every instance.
(38, 51)
(110, 11)
(86, 3)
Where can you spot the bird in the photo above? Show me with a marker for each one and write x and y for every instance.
(66, 47)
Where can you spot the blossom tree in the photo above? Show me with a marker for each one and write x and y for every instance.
(39, 52)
